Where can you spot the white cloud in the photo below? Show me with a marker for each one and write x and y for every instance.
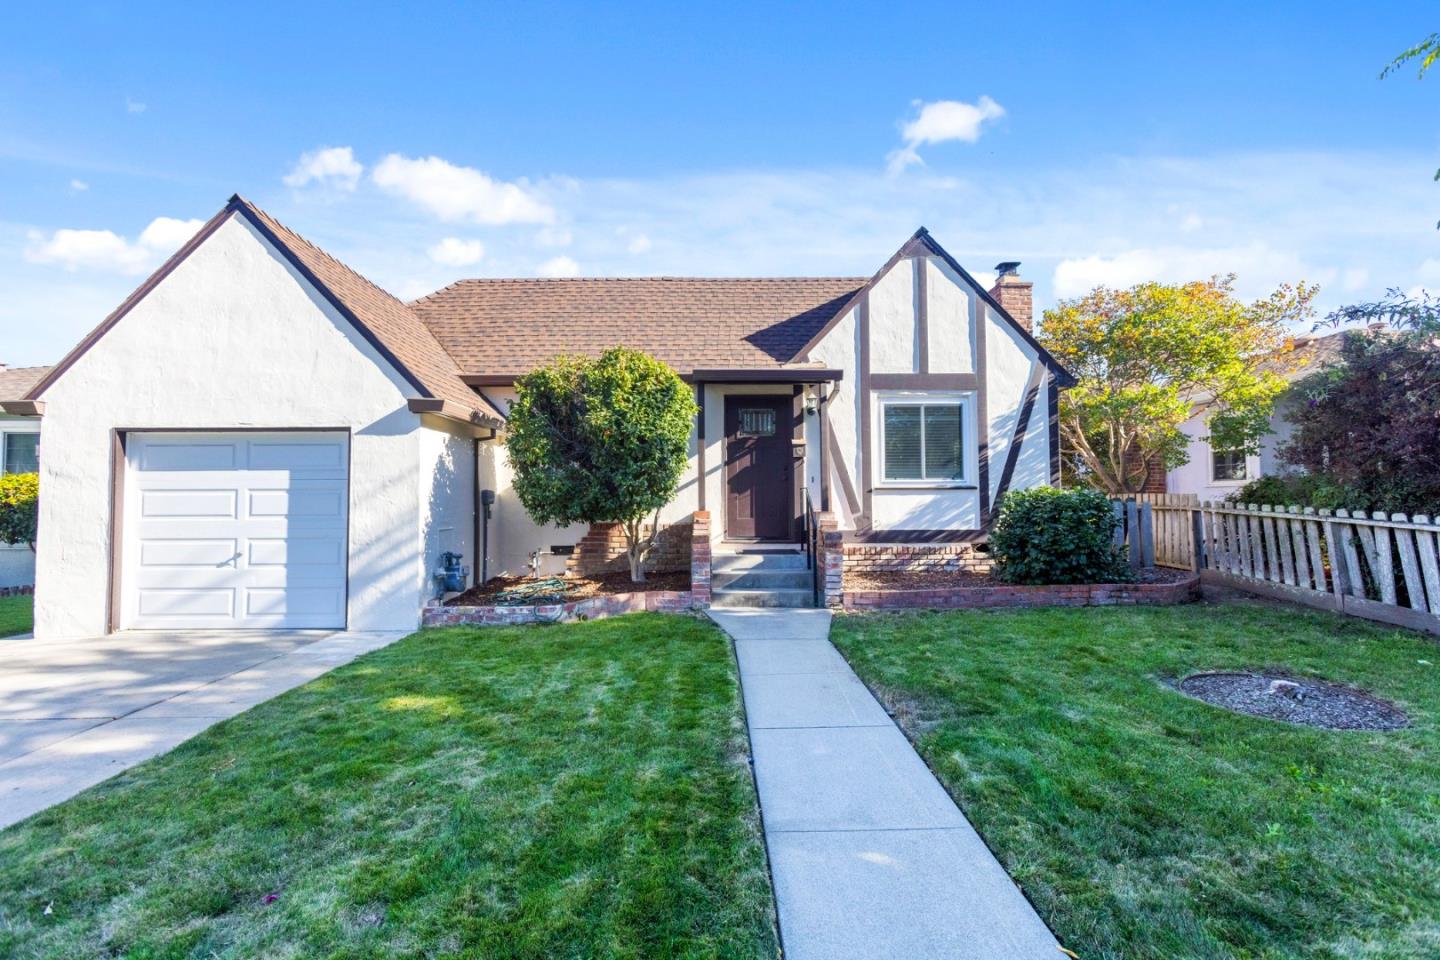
(939, 122)
(554, 237)
(1191, 222)
(79, 186)
(454, 252)
(327, 166)
(452, 192)
(134, 106)
(640, 243)
(558, 267)
(1255, 265)
(107, 250)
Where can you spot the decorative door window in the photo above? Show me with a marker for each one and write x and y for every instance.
(757, 422)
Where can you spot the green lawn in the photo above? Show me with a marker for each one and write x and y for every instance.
(578, 791)
(16, 615)
(1147, 825)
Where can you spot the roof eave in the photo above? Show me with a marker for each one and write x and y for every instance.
(23, 408)
(454, 412)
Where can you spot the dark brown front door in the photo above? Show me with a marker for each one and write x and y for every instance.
(757, 467)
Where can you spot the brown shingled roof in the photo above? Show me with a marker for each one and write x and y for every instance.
(15, 382)
(390, 323)
(508, 327)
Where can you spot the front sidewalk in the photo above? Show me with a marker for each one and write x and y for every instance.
(78, 712)
(871, 857)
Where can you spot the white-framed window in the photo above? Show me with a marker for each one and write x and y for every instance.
(1228, 466)
(925, 440)
(19, 452)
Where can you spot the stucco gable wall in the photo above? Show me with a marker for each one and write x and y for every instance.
(232, 337)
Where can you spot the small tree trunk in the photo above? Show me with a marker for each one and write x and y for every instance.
(635, 550)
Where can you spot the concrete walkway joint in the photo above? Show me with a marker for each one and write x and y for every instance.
(870, 855)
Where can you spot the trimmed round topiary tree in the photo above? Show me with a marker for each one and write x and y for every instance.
(1044, 535)
(601, 440)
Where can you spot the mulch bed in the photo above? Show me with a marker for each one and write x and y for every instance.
(515, 590)
(944, 579)
(1312, 703)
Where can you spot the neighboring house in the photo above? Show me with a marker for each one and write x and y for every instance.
(259, 437)
(1215, 474)
(19, 453)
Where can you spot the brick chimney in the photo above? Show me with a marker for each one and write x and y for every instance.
(1013, 294)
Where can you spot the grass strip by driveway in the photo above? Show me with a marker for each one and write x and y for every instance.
(1144, 824)
(573, 791)
(16, 615)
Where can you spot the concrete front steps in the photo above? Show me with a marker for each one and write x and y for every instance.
(760, 577)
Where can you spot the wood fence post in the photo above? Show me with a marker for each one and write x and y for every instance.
(1132, 530)
(1197, 539)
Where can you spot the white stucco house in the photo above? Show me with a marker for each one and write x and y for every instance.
(1212, 474)
(19, 453)
(260, 437)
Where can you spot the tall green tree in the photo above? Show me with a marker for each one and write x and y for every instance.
(1148, 357)
(601, 440)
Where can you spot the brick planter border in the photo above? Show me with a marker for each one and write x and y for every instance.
(595, 608)
(591, 608)
(1005, 595)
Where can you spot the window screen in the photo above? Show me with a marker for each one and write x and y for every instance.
(22, 452)
(924, 441)
(1229, 465)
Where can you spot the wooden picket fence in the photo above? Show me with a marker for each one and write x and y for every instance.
(1161, 522)
(1382, 567)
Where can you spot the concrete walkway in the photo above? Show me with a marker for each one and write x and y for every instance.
(871, 857)
(74, 713)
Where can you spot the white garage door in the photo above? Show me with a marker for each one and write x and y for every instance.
(235, 530)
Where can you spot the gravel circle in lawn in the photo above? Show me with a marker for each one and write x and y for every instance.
(1313, 703)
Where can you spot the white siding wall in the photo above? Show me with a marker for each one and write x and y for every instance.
(1009, 360)
(1197, 475)
(952, 335)
(446, 495)
(233, 337)
(893, 321)
(952, 338)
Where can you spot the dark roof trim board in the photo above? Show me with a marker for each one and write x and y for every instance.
(786, 374)
(921, 240)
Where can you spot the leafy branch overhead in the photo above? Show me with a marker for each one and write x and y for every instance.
(601, 440)
(1149, 358)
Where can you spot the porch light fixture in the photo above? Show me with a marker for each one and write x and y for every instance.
(812, 402)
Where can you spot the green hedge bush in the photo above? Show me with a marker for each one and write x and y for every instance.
(19, 505)
(1044, 535)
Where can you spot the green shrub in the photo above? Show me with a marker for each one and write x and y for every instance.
(1045, 535)
(601, 440)
(19, 503)
(1300, 490)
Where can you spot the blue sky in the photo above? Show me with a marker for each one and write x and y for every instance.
(1095, 143)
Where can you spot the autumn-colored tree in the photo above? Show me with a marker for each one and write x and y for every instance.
(1148, 357)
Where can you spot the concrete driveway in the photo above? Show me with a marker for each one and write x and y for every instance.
(76, 712)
